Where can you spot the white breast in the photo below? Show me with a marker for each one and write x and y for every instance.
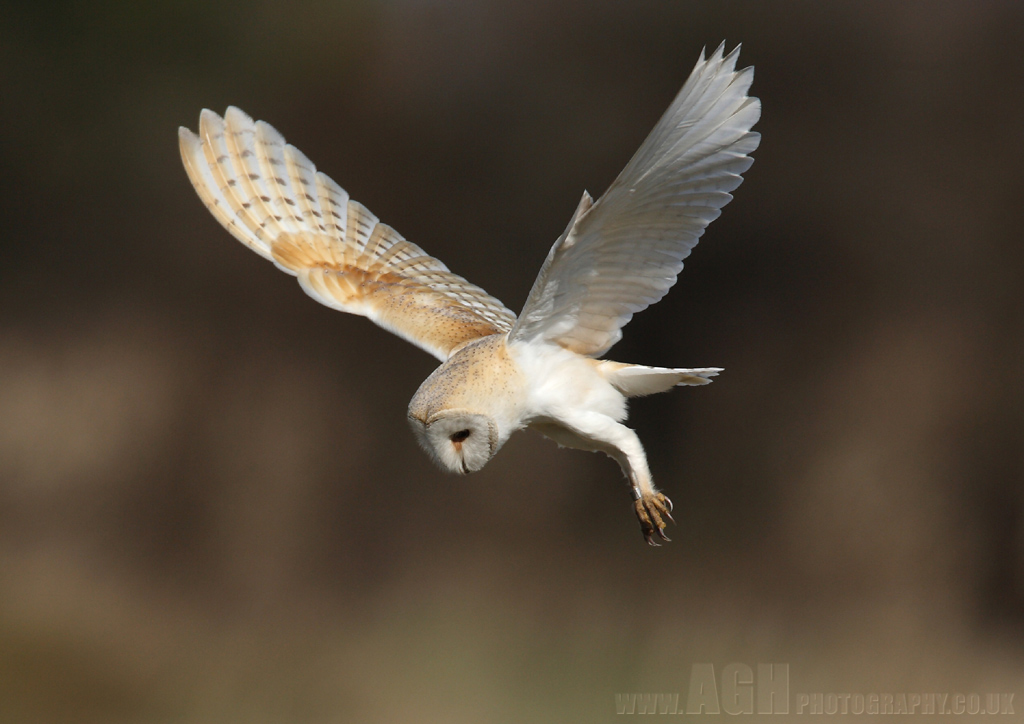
(560, 381)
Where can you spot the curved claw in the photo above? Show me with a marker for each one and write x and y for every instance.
(650, 510)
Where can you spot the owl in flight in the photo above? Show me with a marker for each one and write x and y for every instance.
(500, 373)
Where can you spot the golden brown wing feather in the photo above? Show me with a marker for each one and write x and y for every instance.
(273, 200)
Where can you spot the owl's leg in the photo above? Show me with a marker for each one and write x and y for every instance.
(600, 432)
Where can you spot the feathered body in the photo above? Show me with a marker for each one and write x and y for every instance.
(499, 372)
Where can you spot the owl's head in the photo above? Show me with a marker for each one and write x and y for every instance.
(458, 441)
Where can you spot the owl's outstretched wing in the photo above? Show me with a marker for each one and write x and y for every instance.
(273, 200)
(623, 253)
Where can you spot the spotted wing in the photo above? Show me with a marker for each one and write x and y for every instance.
(273, 200)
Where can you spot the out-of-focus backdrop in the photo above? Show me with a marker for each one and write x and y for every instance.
(211, 508)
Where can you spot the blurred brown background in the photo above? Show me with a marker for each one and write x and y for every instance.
(211, 508)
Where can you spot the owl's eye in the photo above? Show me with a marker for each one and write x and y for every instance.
(460, 436)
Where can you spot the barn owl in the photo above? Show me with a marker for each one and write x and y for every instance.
(501, 373)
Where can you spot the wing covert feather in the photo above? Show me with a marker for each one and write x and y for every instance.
(622, 253)
(273, 200)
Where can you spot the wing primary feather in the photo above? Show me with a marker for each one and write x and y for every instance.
(302, 174)
(270, 196)
(239, 133)
(624, 252)
(334, 205)
(218, 158)
(191, 147)
(269, 146)
(208, 188)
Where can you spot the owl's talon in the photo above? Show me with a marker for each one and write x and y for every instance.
(650, 510)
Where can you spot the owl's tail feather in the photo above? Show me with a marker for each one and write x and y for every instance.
(638, 380)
